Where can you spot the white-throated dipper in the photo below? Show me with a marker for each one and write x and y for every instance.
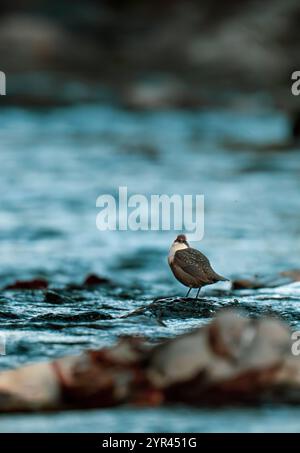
(190, 266)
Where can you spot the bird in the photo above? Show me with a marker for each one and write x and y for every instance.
(190, 266)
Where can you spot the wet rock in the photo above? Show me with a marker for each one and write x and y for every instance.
(93, 280)
(52, 297)
(37, 283)
(176, 307)
(87, 316)
(244, 283)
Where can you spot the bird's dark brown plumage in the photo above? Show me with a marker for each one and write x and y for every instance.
(194, 263)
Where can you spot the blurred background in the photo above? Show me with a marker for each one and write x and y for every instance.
(163, 53)
(163, 97)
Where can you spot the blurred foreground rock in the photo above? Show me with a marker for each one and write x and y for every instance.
(232, 360)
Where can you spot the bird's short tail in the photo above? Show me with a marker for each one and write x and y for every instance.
(223, 279)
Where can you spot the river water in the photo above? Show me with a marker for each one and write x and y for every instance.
(55, 163)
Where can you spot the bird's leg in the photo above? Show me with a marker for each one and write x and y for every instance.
(198, 292)
(187, 295)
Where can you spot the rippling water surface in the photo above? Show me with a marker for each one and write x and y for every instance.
(53, 166)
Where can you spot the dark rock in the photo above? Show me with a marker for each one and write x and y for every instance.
(86, 316)
(95, 280)
(8, 315)
(244, 283)
(176, 307)
(53, 297)
(37, 283)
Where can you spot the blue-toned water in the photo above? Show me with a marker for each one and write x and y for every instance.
(53, 166)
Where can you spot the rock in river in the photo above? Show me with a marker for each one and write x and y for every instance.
(232, 360)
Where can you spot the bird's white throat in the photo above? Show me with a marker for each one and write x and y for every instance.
(174, 248)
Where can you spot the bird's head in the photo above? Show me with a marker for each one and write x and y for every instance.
(180, 243)
(181, 239)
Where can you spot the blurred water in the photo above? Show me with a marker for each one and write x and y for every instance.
(53, 166)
